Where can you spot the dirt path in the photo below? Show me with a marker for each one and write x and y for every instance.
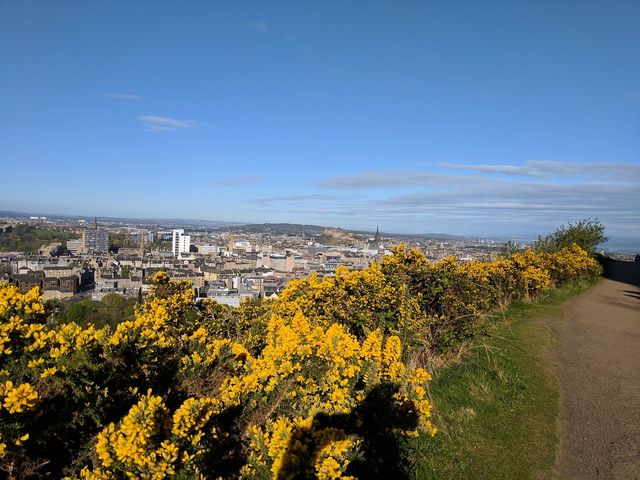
(599, 372)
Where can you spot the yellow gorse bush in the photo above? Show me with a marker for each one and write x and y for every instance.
(297, 387)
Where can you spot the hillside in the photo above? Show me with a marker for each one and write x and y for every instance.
(324, 381)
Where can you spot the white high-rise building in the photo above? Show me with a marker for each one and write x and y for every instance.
(180, 243)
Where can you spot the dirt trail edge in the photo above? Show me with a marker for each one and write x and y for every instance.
(599, 373)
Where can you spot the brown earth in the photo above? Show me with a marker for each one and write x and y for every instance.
(599, 373)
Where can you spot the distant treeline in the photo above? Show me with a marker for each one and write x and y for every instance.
(29, 238)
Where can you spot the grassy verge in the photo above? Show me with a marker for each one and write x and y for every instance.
(497, 408)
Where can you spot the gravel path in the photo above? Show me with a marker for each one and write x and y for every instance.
(599, 372)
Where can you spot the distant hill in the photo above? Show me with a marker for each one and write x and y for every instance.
(439, 236)
(154, 221)
(318, 230)
(279, 228)
(241, 227)
(430, 236)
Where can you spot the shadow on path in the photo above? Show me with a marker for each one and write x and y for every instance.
(621, 271)
(599, 361)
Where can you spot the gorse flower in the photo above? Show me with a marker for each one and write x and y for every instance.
(293, 387)
(18, 399)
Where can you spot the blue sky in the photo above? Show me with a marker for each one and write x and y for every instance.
(480, 118)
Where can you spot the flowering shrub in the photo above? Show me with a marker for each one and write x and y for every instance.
(71, 399)
(429, 305)
(316, 383)
(303, 372)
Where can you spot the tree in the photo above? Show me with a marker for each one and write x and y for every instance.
(587, 234)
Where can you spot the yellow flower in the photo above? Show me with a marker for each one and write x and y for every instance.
(20, 398)
(48, 372)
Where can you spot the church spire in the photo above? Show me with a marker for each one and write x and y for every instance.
(141, 244)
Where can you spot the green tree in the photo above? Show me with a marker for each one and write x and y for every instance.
(111, 310)
(117, 241)
(587, 234)
(509, 248)
(29, 238)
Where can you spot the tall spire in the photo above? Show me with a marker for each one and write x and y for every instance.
(141, 244)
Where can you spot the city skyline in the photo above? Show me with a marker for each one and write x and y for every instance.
(502, 120)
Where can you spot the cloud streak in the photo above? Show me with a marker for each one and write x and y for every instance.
(382, 180)
(243, 180)
(548, 168)
(259, 26)
(122, 96)
(155, 123)
(469, 204)
(294, 200)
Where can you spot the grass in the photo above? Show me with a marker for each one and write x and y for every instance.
(497, 407)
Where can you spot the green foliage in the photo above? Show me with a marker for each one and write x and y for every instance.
(587, 234)
(159, 244)
(117, 241)
(29, 238)
(109, 311)
(509, 248)
(246, 323)
(498, 407)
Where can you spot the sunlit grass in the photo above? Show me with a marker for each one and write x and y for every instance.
(497, 408)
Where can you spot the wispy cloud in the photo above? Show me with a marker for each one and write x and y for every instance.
(155, 123)
(633, 97)
(259, 26)
(549, 168)
(232, 182)
(522, 196)
(121, 96)
(382, 180)
(295, 200)
(474, 204)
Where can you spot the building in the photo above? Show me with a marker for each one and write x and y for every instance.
(75, 245)
(59, 287)
(95, 241)
(180, 243)
(209, 249)
(58, 271)
(277, 261)
(27, 281)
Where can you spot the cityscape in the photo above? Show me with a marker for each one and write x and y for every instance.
(295, 240)
(227, 264)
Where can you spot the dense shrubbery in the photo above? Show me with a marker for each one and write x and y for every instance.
(430, 305)
(313, 384)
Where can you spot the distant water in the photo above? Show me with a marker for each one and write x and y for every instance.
(622, 245)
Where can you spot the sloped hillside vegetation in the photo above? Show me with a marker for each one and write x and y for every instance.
(321, 382)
